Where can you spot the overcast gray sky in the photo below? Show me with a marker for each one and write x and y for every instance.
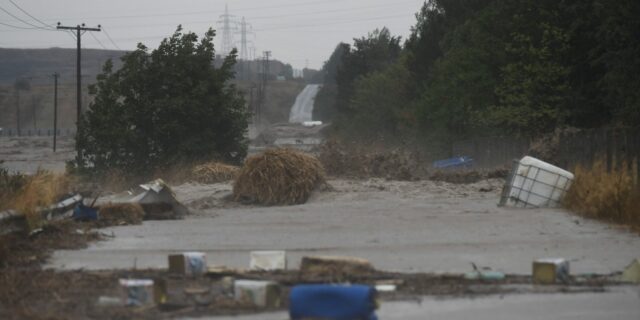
(294, 30)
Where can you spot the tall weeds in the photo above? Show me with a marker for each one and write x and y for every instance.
(610, 196)
(40, 191)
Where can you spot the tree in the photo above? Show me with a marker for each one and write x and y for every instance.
(372, 53)
(533, 94)
(164, 107)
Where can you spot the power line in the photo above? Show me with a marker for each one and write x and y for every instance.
(21, 20)
(32, 17)
(99, 42)
(296, 4)
(109, 37)
(17, 27)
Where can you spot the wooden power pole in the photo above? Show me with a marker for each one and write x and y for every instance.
(80, 29)
(55, 109)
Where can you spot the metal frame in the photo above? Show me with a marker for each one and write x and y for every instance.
(525, 203)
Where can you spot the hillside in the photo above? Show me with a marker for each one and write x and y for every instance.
(37, 65)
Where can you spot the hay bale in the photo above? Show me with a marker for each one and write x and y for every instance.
(278, 177)
(214, 172)
(120, 214)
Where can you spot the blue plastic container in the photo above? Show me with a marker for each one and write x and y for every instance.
(84, 213)
(355, 302)
(458, 162)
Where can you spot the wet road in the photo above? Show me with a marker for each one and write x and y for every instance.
(302, 110)
(619, 303)
(399, 226)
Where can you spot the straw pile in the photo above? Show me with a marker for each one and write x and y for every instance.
(278, 177)
(214, 172)
(120, 214)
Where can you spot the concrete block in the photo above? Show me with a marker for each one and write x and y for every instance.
(268, 260)
(547, 271)
(137, 292)
(188, 263)
(266, 294)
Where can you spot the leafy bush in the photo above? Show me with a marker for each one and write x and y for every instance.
(163, 108)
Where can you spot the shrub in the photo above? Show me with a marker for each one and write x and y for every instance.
(163, 108)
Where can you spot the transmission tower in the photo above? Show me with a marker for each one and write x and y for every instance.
(245, 54)
(228, 26)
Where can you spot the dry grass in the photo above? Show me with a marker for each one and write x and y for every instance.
(214, 172)
(40, 191)
(120, 214)
(10, 186)
(609, 196)
(278, 177)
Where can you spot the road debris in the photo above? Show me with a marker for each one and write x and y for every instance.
(266, 294)
(159, 202)
(115, 214)
(334, 267)
(189, 264)
(632, 272)
(268, 260)
(137, 292)
(550, 270)
(332, 302)
(454, 163)
(533, 183)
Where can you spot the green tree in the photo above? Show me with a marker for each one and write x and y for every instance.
(534, 91)
(372, 53)
(164, 107)
(382, 103)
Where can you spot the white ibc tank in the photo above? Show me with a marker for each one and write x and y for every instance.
(535, 183)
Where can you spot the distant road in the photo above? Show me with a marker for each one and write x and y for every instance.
(302, 109)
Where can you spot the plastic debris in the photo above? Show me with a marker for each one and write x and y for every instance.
(268, 260)
(137, 292)
(484, 275)
(84, 213)
(534, 183)
(188, 263)
(632, 272)
(551, 270)
(266, 294)
(332, 302)
(458, 162)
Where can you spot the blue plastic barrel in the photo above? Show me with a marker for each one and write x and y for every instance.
(336, 302)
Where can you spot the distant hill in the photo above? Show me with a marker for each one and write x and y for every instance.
(39, 64)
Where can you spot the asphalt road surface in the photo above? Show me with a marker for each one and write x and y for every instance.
(302, 109)
(419, 226)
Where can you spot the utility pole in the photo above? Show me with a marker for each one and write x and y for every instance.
(80, 30)
(262, 89)
(18, 110)
(55, 109)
